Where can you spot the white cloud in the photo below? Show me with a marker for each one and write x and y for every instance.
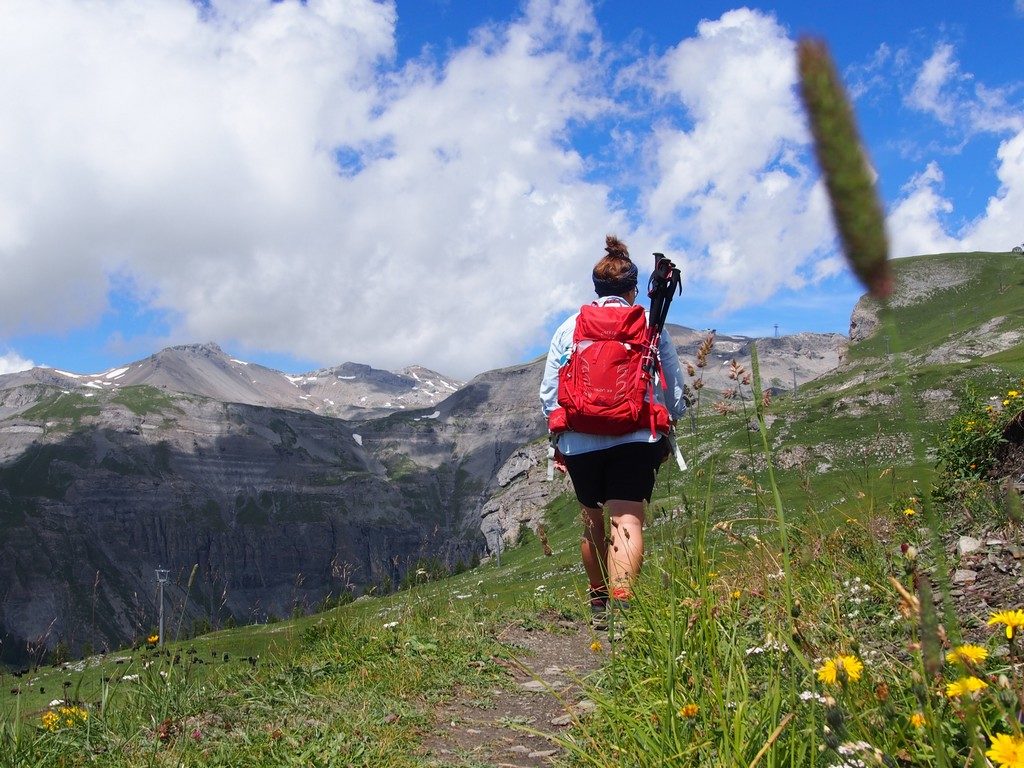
(928, 93)
(922, 220)
(737, 184)
(915, 223)
(918, 223)
(12, 362)
(195, 154)
(954, 98)
(1001, 227)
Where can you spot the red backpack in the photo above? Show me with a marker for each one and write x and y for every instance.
(604, 388)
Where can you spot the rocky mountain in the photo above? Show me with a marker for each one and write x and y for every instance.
(283, 489)
(350, 390)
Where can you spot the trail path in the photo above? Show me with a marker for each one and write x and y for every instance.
(543, 695)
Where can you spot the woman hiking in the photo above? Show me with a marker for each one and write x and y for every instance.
(613, 444)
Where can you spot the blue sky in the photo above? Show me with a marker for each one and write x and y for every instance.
(430, 182)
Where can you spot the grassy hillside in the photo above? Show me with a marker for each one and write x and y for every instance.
(728, 656)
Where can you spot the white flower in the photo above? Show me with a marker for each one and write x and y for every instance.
(391, 625)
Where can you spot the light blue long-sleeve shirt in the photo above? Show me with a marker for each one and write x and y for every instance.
(570, 443)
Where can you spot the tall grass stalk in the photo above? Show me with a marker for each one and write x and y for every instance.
(780, 511)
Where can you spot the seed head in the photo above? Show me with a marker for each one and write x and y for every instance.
(855, 206)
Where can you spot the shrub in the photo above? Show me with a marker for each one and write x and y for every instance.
(969, 448)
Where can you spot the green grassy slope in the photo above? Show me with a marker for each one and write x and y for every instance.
(362, 679)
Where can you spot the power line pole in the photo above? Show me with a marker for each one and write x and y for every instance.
(776, 330)
(161, 579)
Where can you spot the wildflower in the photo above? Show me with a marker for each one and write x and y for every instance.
(736, 594)
(64, 717)
(689, 710)
(841, 668)
(1006, 402)
(909, 512)
(965, 685)
(153, 639)
(1007, 751)
(1013, 393)
(1012, 619)
(391, 625)
(968, 654)
(596, 646)
(917, 720)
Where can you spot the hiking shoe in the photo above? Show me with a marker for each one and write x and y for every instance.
(599, 609)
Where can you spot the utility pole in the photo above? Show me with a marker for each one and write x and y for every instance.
(161, 579)
(776, 330)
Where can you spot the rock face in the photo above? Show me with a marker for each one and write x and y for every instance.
(282, 489)
(804, 356)
(278, 508)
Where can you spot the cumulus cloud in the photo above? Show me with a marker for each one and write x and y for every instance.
(736, 183)
(922, 220)
(1000, 228)
(266, 174)
(915, 223)
(12, 362)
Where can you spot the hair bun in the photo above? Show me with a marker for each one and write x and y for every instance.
(615, 248)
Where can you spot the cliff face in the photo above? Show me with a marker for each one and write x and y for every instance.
(192, 458)
(278, 508)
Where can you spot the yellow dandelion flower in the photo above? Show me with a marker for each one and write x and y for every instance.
(835, 669)
(596, 646)
(1012, 619)
(736, 594)
(1007, 751)
(1013, 393)
(1006, 402)
(909, 512)
(689, 710)
(968, 654)
(153, 639)
(917, 720)
(965, 686)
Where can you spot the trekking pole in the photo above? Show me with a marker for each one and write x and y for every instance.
(664, 283)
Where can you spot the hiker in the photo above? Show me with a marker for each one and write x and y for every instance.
(612, 468)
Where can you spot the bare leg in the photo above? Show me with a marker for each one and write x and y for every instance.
(626, 554)
(594, 546)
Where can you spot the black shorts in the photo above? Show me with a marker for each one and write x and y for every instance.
(626, 472)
